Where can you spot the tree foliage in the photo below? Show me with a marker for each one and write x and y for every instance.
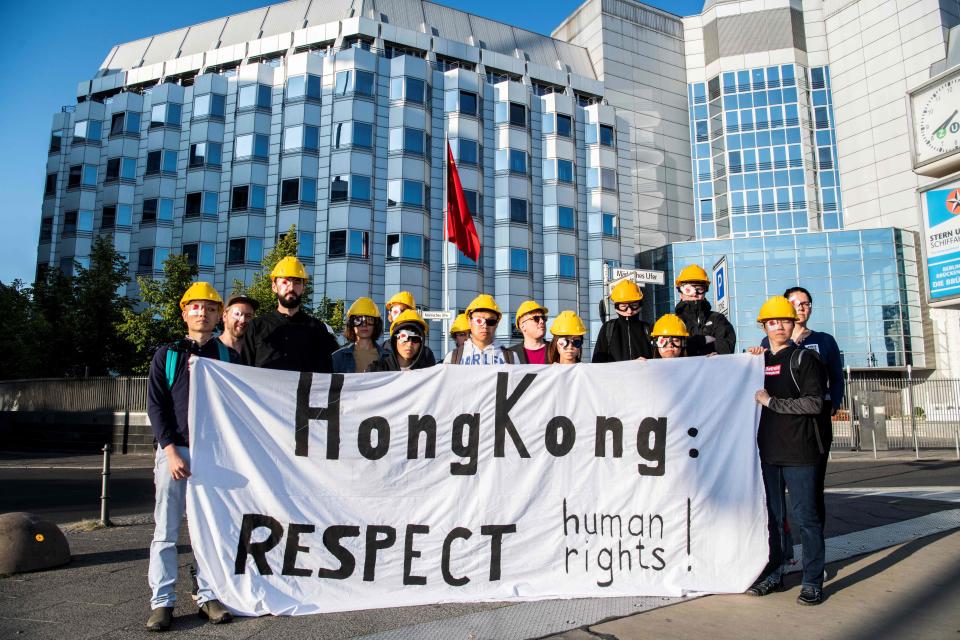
(98, 309)
(19, 355)
(159, 322)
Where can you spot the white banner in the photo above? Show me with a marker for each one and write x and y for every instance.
(314, 493)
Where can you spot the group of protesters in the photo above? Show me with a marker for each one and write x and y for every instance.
(803, 387)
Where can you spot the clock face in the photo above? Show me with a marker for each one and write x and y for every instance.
(938, 119)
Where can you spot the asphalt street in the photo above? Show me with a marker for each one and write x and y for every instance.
(66, 488)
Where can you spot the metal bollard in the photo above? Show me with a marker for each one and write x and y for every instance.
(105, 488)
(873, 436)
(956, 441)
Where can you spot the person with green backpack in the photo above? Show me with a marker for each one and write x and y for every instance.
(168, 393)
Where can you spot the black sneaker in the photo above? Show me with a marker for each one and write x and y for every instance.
(764, 587)
(810, 596)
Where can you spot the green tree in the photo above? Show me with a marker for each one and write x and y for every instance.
(159, 322)
(54, 301)
(19, 355)
(332, 312)
(98, 312)
(260, 289)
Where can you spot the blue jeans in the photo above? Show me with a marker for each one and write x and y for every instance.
(802, 484)
(171, 506)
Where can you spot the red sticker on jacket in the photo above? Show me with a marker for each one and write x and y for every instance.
(773, 370)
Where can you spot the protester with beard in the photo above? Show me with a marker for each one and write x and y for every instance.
(625, 337)
(236, 318)
(408, 332)
(710, 332)
(287, 338)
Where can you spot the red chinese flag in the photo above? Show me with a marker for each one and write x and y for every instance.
(460, 229)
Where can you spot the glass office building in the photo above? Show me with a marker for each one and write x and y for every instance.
(864, 284)
(763, 150)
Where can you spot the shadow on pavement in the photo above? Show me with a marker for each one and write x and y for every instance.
(940, 596)
(81, 560)
(882, 564)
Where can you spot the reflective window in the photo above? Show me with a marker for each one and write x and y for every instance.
(209, 105)
(518, 210)
(257, 96)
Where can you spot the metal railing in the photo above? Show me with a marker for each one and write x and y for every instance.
(916, 414)
(75, 394)
(909, 414)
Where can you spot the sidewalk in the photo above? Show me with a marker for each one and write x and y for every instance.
(908, 591)
(912, 509)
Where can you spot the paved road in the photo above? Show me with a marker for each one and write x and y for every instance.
(67, 488)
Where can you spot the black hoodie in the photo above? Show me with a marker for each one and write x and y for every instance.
(702, 323)
(389, 360)
(623, 338)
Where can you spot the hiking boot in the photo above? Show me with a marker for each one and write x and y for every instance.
(764, 587)
(160, 619)
(810, 596)
(215, 612)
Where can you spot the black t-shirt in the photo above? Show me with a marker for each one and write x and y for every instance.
(291, 343)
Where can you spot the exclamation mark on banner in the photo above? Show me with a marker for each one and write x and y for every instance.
(689, 568)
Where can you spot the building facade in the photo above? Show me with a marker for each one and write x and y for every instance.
(764, 131)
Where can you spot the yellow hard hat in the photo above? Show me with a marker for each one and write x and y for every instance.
(460, 324)
(692, 273)
(405, 298)
(777, 307)
(567, 323)
(483, 301)
(626, 291)
(200, 291)
(363, 307)
(409, 316)
(527, 307)
(289, 267)
(670, 325)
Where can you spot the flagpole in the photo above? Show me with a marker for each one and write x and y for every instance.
(446, 239)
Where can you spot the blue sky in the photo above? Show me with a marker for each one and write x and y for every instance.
(48, 47)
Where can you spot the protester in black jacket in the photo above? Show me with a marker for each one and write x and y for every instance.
(710, 332)
(287, 338)
(408, 333)
(790, 447)
(626, 336)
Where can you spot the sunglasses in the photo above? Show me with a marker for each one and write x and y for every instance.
(624, 306)
(803, 305)
(693, 289)
(670, 341)
(361, 321)
(576, 343)
(409, 336)
(490, 322)
(538, 319)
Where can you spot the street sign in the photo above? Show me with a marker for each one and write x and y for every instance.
(436, 316)
(720, 286)
(640, 276)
